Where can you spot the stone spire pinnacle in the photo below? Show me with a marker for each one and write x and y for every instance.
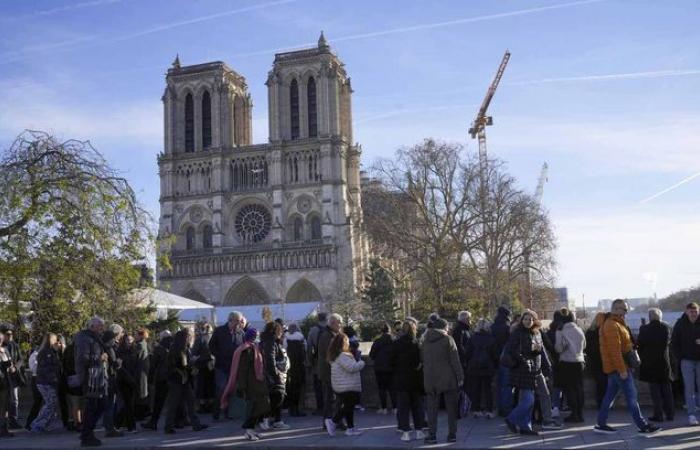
(176, 63)
(322, 41)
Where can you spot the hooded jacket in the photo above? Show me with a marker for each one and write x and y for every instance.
(500, 329)
(615, 341)
(442, 370)
(461, 334)
(685, 333)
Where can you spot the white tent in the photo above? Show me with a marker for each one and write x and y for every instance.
(289, 312)
(165, 301)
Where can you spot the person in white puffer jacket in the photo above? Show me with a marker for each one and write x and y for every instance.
(346, 382)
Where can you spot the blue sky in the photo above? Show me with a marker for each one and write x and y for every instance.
(605, 91)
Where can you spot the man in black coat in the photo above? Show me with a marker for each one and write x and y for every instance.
(653, 343)
(500, 329)
(686, 347)
(223, 343)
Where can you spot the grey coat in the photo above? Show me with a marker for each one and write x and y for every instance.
(442, 370)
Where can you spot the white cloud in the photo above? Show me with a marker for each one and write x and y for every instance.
(42, 109)
(628, 253)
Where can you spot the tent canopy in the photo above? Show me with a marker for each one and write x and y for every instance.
(289, 312)
(165, 300)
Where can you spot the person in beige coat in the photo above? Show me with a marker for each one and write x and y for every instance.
(346, 382)
(442, 374)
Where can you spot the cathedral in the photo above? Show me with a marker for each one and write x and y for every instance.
(255, 224)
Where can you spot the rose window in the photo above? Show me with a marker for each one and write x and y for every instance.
(253, 223)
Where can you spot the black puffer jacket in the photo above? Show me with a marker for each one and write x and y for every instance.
(88, 351)
(48, 368)
(527, 349)
(276, 362)
(406, 365)
(482, 359)
(685, 333)
(500, 329)
(461, 335)
(381, 353)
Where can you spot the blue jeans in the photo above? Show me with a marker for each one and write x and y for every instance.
(505, 391)
(522, 414)
(691, 377)
(615, 384)
(48, 415)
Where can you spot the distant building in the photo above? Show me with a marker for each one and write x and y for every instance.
(606, 304)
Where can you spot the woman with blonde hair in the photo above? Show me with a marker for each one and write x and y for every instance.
(48, 374)
(346, 383)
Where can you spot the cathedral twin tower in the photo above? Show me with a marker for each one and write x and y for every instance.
(264, 223)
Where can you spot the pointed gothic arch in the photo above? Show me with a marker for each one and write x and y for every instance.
(246, 291)
(294, 108)
(311, 106)
(303, 291)
(194, 294)
(189, 123)
(206, 120)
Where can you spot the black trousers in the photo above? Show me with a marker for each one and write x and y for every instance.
(572, 385)
(329, 406)
(180, 395)
(126, 416)
(37, 401)
(94, 407)
(662, 398)
(478, 388)
(601, 385)
(348, 401)
(63, 403)
(318, 392)
(159, 397)
(384, 381)
(294, 391)
(276, 402)
(410, 404)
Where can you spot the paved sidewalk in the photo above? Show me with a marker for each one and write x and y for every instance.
(380, 433)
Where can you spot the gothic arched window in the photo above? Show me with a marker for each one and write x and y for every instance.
(316, 228)
(311, 103)
(294, 108)
(207, 233)
(189, 236)
(206, 120)
(189, 124)
(298, 229)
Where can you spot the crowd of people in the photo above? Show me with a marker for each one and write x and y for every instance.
(510, 367)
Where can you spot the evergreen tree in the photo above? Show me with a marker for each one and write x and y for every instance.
(379, 292)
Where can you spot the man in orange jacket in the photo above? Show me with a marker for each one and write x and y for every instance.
(615, 343)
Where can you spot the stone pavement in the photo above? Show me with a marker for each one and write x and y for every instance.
(380, 433)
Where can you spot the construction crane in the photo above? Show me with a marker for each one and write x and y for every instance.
(539, 190)
(540, 183)
(478, 128)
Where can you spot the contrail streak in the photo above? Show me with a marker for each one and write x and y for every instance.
(425, 26)
(669, 189)
(611, 76)
(97, 39)
(48, 12)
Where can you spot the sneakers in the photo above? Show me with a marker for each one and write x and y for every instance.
(382, 411)
(330, 427)
(352, 432)
(489, 415)
(420, 434)
(649, 429)
(430, 440)
(604, 429)
(555, 412)
(265, 424)
(692, 420)
(115, 433)
(280, 426)
(451, 438)
(406, 436)
(477, 414)
(552, 425)
(200, 427)
(529, 432)
(251, 435)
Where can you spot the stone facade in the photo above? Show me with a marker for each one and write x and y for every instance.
(264, 223)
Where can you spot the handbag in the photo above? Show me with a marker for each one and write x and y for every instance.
(632, 359)
(464, 404)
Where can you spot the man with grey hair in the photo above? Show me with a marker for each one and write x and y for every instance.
(326, 335)
(91, 368)
(223, 343)
(654, 342)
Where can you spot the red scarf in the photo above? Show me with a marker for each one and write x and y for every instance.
(232, 377)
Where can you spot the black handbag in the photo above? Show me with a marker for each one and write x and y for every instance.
(632, 359)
